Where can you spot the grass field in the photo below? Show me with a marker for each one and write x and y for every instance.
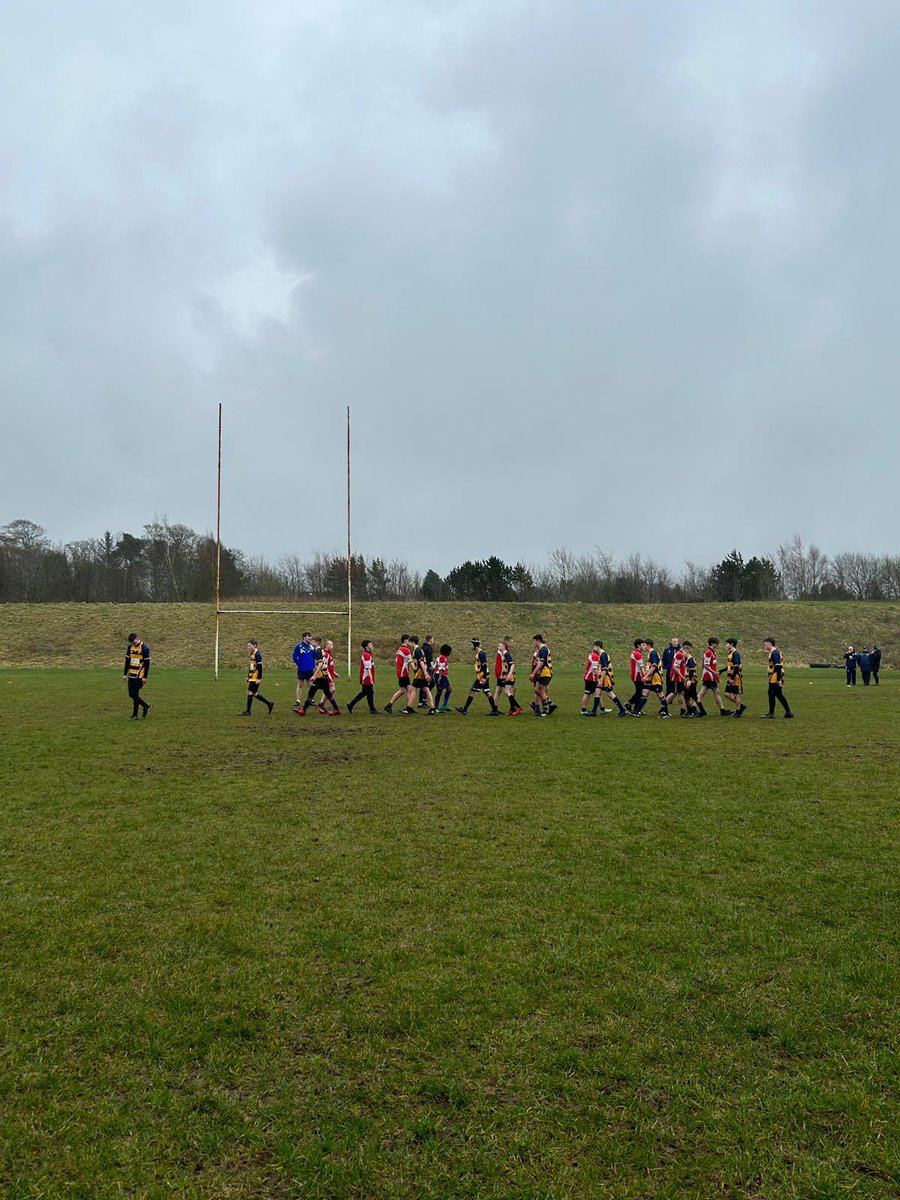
(445, 958)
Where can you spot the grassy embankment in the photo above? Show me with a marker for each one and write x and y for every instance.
(181, 635)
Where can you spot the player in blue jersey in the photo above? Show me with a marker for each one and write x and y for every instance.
(304, 657)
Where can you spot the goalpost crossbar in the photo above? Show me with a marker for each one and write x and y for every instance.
(285, 612)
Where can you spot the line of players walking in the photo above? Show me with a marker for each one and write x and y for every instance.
(675, 677)
(423, 678)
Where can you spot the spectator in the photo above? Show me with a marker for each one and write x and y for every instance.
(850, 660)
(875, 662)
(865, 665)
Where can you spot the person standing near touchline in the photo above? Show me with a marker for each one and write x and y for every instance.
(865, 665)
(850, 660)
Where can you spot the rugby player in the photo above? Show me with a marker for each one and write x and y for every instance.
(775, 667)
(734, 678)
(482, 682)
(254, 678)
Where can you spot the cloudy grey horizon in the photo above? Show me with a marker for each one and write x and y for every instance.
(592, 274)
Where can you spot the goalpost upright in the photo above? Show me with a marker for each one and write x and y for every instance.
(349, 559)
(288, 612)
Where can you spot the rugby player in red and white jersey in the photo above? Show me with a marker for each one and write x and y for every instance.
(677, 676)
(709, 678)
(591, 679)
(323, 681)
(366, 679)
(636, 666)
(441, 675)
(403, 661)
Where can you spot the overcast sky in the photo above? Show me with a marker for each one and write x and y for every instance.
(589, 272)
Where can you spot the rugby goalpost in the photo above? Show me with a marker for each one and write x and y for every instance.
(282, 612)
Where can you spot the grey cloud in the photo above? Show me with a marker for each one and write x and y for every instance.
(607, 274)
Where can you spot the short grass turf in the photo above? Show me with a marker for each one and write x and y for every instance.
(404, 957)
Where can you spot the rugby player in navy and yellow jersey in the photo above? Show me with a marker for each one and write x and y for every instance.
(734, 678)
(428, 652)
(254, 678)
(482, 682)
(690, 680)
(137, 668)
(505, 673)
(606, 683)
(541, 676)
(422, 676)
(652, 682)
(775, 667)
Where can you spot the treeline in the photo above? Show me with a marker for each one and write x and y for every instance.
(170, 562)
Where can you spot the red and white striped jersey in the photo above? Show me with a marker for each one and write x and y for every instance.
(327, 664)
(637, 665)
(404, 661)
(367, 667)
(592, 667)
(710, 666)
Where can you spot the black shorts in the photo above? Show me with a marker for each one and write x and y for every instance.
(402, 681)
(304, 676)
(543, 681)
(590, 686)
(252, 686)
(480, 685)
(734, 689)
(676, 687)
(422, 684)
(653, 687)
(712, 684)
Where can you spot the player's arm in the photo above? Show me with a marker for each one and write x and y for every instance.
(145, 661)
